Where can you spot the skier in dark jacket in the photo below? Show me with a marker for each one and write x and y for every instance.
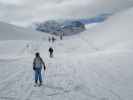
(51, 52)
(49, 39)
(37, 67)
(53, 39)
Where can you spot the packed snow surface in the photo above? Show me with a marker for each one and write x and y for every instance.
(94, 65)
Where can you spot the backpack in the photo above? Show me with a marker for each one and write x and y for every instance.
(37, 62)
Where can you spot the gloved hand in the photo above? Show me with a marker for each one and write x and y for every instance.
(44, 67)
(33, 68)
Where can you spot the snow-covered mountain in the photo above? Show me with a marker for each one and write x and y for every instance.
(94, 65)
(59, 27)
(69, 27)
(11, 32)
(16, 41)
(96, 19)
(49, 26)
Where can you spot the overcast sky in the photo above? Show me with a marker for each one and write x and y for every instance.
(25, 12)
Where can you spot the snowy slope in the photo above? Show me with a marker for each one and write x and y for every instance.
(10, 32)
(95, 65)
(16, 41)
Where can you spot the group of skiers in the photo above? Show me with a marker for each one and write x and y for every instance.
(38, 62)
(51, 39)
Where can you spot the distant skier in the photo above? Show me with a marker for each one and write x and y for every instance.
(61, 35)
(49, 39)
(53, 39)
(51, 52)
(37, 67)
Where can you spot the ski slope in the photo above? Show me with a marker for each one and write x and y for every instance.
(11, 32)
(94, 65)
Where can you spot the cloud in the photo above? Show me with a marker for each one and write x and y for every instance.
(12, 2)
(24, 12)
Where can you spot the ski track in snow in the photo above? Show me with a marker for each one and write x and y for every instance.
(59, 82)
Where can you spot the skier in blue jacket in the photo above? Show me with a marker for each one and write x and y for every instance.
(37, 67)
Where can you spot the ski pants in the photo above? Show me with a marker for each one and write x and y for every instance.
(51, 54)
(38, 75)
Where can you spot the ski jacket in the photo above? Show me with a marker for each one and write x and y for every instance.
(38, 62)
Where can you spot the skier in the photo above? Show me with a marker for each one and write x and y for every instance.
(49, 39)
(53, 39)
(37, 67)
(51, 52)
(61, 36)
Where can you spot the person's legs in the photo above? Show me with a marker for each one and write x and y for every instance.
(40, 76)
(36, 76)
(51, 54)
